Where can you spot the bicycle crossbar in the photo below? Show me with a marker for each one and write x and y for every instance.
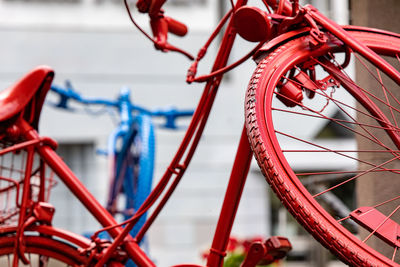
(86, 198)
(353, 43)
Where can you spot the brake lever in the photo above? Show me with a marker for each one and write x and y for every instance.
(172, 48)
(160, 29)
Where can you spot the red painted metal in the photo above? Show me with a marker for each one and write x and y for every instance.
(80, 191)
(231, 201)
(43, 212)
(279, 40)
(26, 96)
(19, 100)
(285, 37)
(177, 168)
(255, 254)
(48, 230)
(353, 43)
(192, 137)
(263, 253)
(378, 224)
(23, 212)
(268, 75)
(281, 7)
(364, 100)
(290, 94)
(176, 27)
(252, 24)
(49, 247)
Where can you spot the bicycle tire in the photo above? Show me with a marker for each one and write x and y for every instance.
(132, 167)
(274, 73)
(55, 252)
(143, 145)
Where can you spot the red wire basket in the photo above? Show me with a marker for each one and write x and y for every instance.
(13, 173)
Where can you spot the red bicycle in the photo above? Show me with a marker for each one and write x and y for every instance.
(302, 79)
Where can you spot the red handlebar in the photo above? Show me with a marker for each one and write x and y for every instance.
(176, 27)
(161, 25)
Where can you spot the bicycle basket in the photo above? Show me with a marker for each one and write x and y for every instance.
(13, 169)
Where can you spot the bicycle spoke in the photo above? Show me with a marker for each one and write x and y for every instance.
(353, 84)
(375, 206)
(329, 150)
(360, 112)
(333, 119)
(338, 150)
(343, 172)
(384, 88)
(375, 139)
(378, 80)
(342, 123)
(366, 130)
(339, 102)
(387, 99)
(355, 177)
(398, 58)
(343, 219)
(394, 253)
(369, 93)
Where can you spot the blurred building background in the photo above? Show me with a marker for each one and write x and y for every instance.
(93, 44)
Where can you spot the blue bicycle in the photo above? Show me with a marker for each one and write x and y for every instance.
(130, 148)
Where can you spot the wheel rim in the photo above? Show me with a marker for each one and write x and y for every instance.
(270, 123)
(41, 251)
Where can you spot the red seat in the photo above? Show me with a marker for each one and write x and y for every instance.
(25, 98)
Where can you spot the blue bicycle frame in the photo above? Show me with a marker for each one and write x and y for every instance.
(131, 148)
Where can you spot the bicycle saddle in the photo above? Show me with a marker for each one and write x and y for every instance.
(25, 98)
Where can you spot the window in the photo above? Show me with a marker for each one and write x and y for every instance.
(70, 214)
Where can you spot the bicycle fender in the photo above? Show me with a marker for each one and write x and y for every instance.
(61, 234)
(285, 37)
(278, 41)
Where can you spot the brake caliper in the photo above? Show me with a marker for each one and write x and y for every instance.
(291, 88)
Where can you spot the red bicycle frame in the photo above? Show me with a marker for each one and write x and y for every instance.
(184, 155)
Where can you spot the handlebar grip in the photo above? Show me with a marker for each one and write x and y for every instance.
(176, 27)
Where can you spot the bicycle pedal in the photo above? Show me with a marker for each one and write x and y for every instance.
(274, 248)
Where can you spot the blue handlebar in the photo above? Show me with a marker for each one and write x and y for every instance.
(171, 115)
(70, 93)
(123, 104)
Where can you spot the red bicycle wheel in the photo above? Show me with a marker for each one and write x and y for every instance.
(322, 138)
(42, 251)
